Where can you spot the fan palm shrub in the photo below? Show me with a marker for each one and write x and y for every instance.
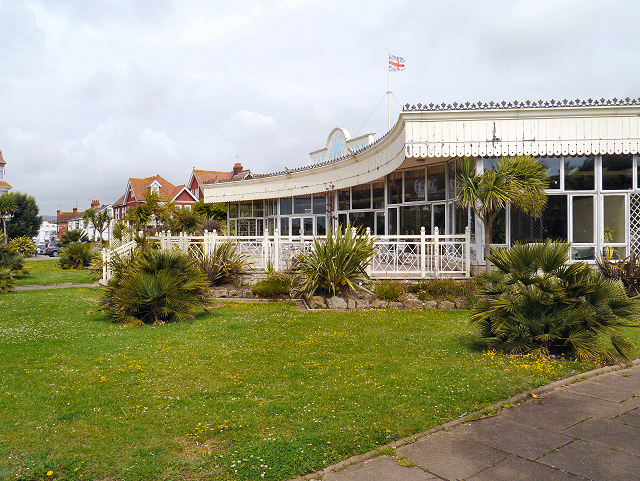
(338, 262)
(225, 264)
(535, 302)
(154, 287)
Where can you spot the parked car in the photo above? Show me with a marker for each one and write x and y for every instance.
(52, 249)
(40, 248)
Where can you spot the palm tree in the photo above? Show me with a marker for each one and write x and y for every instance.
(518, 181)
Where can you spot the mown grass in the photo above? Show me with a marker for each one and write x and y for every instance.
(256, 391)
(47, 272)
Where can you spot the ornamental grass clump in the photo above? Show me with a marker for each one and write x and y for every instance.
(154, 287)
(338, 262)
(534, 302)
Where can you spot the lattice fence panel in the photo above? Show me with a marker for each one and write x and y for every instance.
(634, 223)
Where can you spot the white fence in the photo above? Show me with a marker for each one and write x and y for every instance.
(397, 257)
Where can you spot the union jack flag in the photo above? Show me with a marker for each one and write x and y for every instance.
(395, 63)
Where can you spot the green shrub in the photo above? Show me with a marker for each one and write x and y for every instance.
(338, 262)
(447, 288)
(535, 302)
(77, 255)
(269, 288)
(224, 264)
(389, 291)
(154, 287)
(74, 235)
(24, 245)
(11, 264)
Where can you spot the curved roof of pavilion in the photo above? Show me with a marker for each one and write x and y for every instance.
(436, 132)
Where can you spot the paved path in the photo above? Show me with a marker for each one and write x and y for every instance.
(587, 430)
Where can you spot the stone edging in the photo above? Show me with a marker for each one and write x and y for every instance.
(467, 417)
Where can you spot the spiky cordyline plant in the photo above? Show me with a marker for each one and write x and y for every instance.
(535, 302)
(154, 287)
(340, 260)
(225, 264)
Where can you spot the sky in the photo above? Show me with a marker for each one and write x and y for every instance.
(93, 93)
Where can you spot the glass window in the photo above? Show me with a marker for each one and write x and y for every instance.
(393, 221)
(436, 183)
(258, 208)
(378, 195)
(295, 226)
(343, 200)
(321, 225)
(361, 219)
(379, 223)
(614, 216)
(414, 185)
(490, 162)
(342, 221)
(395, 188)
(361, 196)
(319, 204)
(302, 204)
(233, 211)
(286, 206)
(461, 218)
(439, 216)
(578, 173)
(582, 218)
(272, 226)
(243, 227)
(284, 226)
(617, 172)
(252, 227)
(552, 224)
(553, 170)
(412, 218)
(308, 225)
(245, 208)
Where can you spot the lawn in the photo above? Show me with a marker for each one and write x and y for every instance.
(47, 272)
(254, 391)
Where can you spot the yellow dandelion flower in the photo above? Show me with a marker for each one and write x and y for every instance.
(49, 473)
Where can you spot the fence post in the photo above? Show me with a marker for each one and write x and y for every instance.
(276, 250)
(265, 249)
(370, 263)
(214, 240)
(105, 263)
(436, 250)
(467, 251)
(423, 253)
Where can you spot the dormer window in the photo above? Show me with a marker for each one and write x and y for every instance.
(1, 172)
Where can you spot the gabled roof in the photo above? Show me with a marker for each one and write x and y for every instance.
(182, 189)
(119, 202)
(140, 186)
(2, 162)
(203, 176)
(4, 184)
(65, 217)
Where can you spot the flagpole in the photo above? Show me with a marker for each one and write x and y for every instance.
(389, 93)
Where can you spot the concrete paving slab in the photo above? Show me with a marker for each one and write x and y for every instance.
(627, 379)
(594, 461)
(601, 391)
(514, 438)
(520, 469)
(608, 434)
(451, 456)
(558, 410)
(631, 418)
(383, 468)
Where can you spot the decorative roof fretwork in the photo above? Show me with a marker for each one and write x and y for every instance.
(521, 105)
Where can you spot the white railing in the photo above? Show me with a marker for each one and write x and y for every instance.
(108, 254)
(397, 257)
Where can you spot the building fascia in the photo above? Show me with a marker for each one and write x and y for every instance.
(367, 166)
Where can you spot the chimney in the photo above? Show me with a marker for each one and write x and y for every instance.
(237, 168)
(58, 212)
(75, 210)
(95, 204)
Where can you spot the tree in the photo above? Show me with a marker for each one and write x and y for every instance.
(219, 211)
(517, 181)
(25, 221)
(7, 206)
(100, 221)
